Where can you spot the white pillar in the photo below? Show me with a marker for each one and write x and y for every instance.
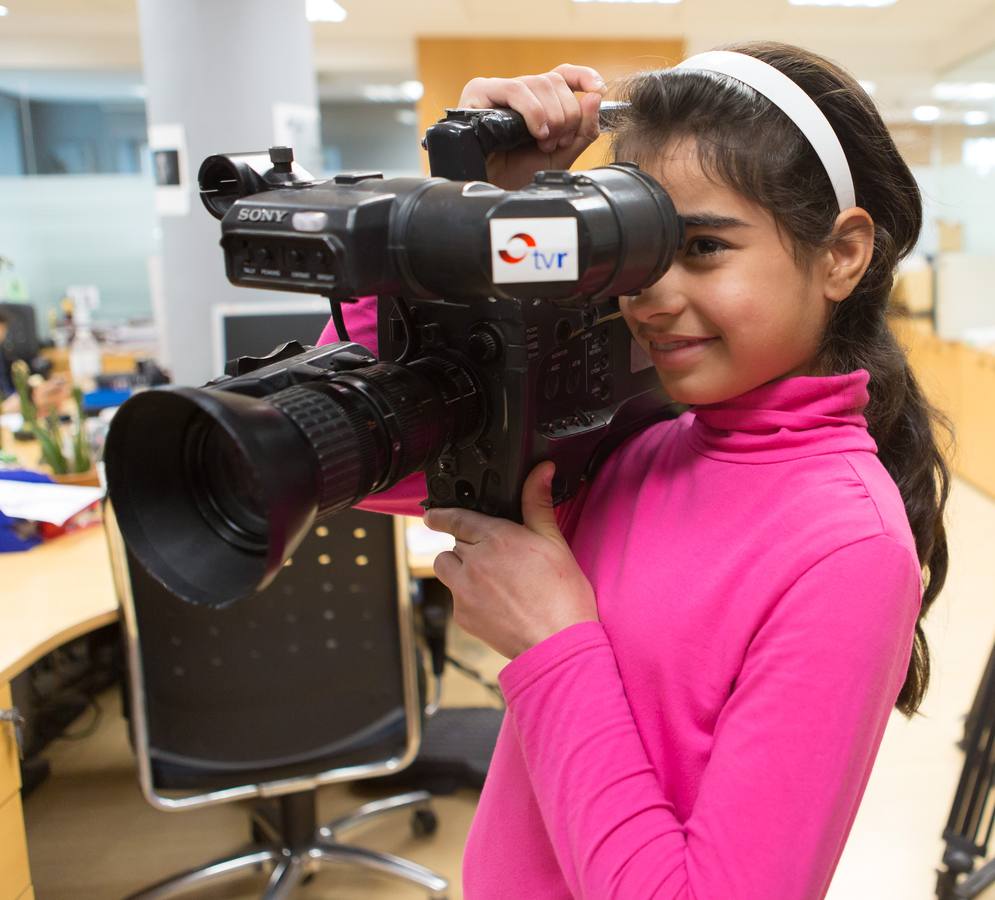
(222, 76)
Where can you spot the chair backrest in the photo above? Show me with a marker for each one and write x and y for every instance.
(310, 681)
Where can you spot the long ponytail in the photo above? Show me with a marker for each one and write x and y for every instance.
(752, 146)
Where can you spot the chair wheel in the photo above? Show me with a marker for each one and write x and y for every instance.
(424, 822)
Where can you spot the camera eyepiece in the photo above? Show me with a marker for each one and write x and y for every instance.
(227, 177)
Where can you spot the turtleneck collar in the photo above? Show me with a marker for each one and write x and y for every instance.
(782, 420)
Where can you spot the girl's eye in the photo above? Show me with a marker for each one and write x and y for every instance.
(703, 246)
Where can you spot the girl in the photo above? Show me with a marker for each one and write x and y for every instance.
(706, 643)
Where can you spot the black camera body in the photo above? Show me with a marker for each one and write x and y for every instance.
(558, 383)
(499, 337)
(544, 383)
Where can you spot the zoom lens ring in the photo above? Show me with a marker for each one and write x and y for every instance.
(414, 413)
(343, 443)
(460, 395)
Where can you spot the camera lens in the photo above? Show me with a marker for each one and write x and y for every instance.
(240, 480)
(225, 485)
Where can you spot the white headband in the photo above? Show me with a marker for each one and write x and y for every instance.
(793, 102)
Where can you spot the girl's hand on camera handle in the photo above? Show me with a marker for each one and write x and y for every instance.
(563, 123)
(513, 585)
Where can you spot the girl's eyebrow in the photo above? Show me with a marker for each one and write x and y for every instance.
(711, 220)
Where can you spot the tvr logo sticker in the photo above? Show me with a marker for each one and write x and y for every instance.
(524, 250)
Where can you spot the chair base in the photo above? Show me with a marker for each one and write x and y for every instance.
(948, 887)
(296, 849)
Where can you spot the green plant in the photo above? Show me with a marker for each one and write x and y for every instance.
(48, 431)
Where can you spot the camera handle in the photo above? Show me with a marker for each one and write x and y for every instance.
(459, 144)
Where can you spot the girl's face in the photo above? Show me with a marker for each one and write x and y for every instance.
(751, 313)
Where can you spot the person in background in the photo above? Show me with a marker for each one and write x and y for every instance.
(6, 378)
(706, 643)
(46, 394)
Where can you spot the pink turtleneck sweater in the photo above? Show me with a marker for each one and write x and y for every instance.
(711, 736)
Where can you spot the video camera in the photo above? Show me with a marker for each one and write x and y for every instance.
(500, 345)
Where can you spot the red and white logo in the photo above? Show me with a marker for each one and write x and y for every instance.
(517, 248)
(533, 249)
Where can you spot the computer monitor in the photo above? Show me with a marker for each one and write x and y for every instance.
(22, 333)
(255, 329)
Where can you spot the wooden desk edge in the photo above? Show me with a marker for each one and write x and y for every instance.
(419, 566)
(77, 629)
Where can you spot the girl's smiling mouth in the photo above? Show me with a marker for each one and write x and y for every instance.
(677, 350)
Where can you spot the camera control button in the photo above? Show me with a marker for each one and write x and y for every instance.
(484, 344)
(573, 380)
(601, 389)
(440, 487)
(281, 155)
(552, 386)
(309, 221)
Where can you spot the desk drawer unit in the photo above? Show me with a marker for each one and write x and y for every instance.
(10, 770)
(15, 877)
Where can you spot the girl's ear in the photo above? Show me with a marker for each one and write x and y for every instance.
(850, 252)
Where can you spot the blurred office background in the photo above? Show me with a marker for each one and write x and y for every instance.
(78, 206)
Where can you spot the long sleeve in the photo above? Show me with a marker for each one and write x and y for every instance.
(793, 744)
(404, 498)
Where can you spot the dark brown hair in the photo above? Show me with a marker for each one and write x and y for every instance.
(749, 144)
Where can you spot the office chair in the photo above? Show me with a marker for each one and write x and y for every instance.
(972, 815)
(311, 681)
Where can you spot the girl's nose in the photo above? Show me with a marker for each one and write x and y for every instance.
(665, 297)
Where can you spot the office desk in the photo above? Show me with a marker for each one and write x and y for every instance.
(51, 594)
(62, 588)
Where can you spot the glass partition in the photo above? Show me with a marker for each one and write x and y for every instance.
(76, 194)
(958, 182)
(76, 191)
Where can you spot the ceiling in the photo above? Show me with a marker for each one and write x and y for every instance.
(904, 49)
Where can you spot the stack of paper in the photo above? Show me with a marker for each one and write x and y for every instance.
(45, 502)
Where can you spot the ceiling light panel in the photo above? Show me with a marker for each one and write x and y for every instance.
(926, 113)
(324, 11)
(634, 2)
(969, 91)
(871, 4)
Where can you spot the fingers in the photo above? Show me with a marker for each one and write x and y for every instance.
(511, 93)
(581, 78)
(537, 502)
(586, 134)
(590, 118)
(547, 102)
(560, 105)
(463, 524)
(446, 567)
(571, 113)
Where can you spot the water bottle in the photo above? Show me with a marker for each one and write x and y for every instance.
(84, 357)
